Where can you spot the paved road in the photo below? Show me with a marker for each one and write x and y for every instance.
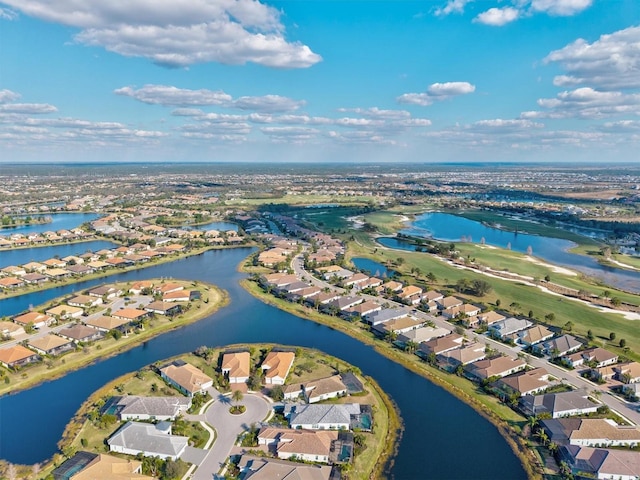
(228, 427)
(628, 410)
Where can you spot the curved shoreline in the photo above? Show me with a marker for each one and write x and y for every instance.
(386, 447)
(212, 306)
(517, 444)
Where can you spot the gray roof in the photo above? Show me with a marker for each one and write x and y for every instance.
(345, 302)
(565, 343)
(382, 316)
(153, 406)
(557, 403)
(510, 325)
(150, 439)
(318, 414)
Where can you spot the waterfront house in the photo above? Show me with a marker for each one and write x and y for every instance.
(17, 356)
(471, 352)
(590, 432)
(440, 345)
(422, 334)
(186, 378)
(237, 366)
(133, 407)
(324, 389)
(80, 333)
(562, 404)
(305, 445)
(495, 367)
(164, 308)
(150, 440)
(35, 319)
(84, 301)
(527, 382)
(105, 291)
(11, 329)
(601, 463)
(264, 468)
(106, 323)
(131, 314)
(321, 416)
(276, 367)
(51, 345)
(65, 312)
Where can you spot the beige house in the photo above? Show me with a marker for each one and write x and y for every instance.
(186, 378)
(276, 367)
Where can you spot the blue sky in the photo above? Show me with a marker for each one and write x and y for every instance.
(319, 80)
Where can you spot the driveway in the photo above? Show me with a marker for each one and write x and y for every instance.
(228, 427)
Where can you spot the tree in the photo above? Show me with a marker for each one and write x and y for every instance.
(171, 469)
(431, 278)
(622, 343)
(615, 301)
(530, 314)
(612, 336)
(590, 335)
(237, 396)
(498, 302)
(277, 393)
(481, 287)
(547, 278)
(550, 317)
(399, 260)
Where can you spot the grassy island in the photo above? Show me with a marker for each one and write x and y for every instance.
(98, 419)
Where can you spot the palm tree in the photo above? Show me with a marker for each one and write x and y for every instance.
(237, 396)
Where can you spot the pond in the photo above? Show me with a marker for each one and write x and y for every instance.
(21, 256)
(453, 228)
(59, 221)
(439, 428)
(371, 267)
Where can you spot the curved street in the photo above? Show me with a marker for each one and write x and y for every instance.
(227, 427)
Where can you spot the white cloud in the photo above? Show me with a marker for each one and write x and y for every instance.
(168, 95)
(586, 102)
(611, 62)
(7, 96)
(375, 112)
(497, 17)
(27, 108)
(450, 89)
(562, 8)
(7, 14)
(622, 126)
(501, 126)
(178, 33)
(437, 92)
(452, 6)
(268, 103)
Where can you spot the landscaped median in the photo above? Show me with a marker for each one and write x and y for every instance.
(368, 442)
(118, 334)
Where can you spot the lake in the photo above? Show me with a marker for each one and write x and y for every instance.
(443, 438)
(371, 267)
(59, 221)
(453, 228)
(220, 226)
(21, 256)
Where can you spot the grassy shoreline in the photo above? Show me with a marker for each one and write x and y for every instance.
(508, 423)
(75, 360)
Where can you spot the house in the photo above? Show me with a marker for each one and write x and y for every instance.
(105, 291)
(410, 294)
(17, 356)
(507, 327)
(465, 311)
(51, 345)
(321, 416)
(55, 263)
(278, 280)
(80, 269)
(164, 308)
(92, 466)
(385, 315)
(105, 323)
(131, 314)
(601, 463)
(356, 280)
(276, 367)
(342, 303)
(186, 378)
(11, 282)
(34, 278)
(527, 382)
(133, 407)
(562, 404)
(533, 335)
(84, 301)
(628, 372)
(13, 271)
(490, 317)
(323, 389)
(398, 325)
(35, 319)
(264, 468)
(597, 356)
(432, 296)
(448, 302)
(440, 345)
(590, 432)
(80, 333)
(138, 287)
(306, 445)
(149, 440)
(237, 366)
(495, 367)
(11, 329)
(422, 334)
(65, 312)
(560, 346)
(118, 262)
(391, 286)
(34, 267)
(364, 308)
(179, 296)
(471, 352)
(56, 273)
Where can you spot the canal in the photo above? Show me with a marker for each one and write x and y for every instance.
(443, 438)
